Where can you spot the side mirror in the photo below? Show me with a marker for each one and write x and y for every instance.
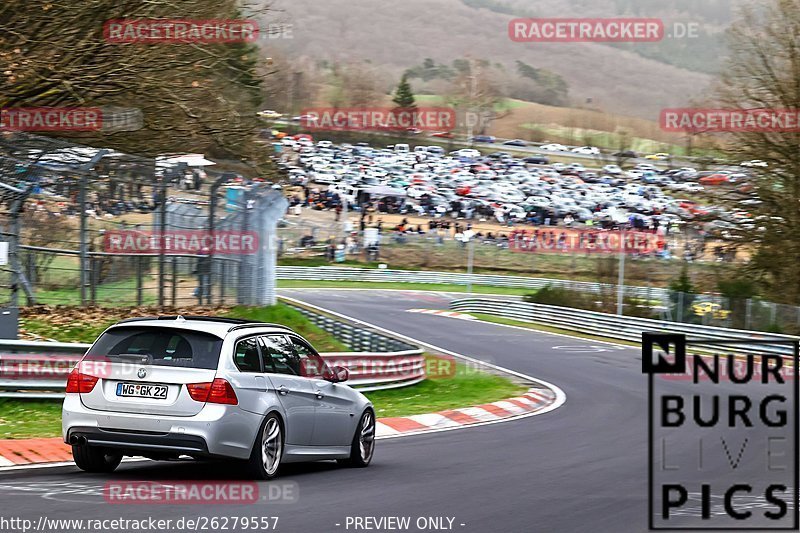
(339, 374)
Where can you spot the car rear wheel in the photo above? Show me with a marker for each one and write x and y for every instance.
(95, 459)
(265, 459)
(363, 445)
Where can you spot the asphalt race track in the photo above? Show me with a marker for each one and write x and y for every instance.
(581, 467)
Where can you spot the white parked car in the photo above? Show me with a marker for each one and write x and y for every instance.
(612, 169)
(554, 147)
(468, 152)
(586, 150)
(754, 163)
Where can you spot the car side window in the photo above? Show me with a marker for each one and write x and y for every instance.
(279, 356)
(246, 356)
(311, 364)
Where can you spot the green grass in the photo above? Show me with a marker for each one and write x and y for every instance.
(442, 287)
(321, 261)
(22, 419)
(117, 294)
(283, 314)
(547, 329)
(74, 332)
(467, 387)
(88, 331)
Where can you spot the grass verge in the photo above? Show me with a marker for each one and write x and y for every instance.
(441, 287)
(547, 329)
(21, 419)
(86, 324)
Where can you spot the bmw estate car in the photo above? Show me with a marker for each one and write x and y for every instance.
(168, 387)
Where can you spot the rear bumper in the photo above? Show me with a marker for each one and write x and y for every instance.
(216, 431)
(139, 441)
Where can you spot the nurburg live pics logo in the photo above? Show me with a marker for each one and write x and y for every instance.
(722, 443)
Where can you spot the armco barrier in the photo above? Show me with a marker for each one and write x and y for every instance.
(453, 278)
(34, 369)
(619, 327)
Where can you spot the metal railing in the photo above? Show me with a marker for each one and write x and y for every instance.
(325, 273)
(619, 327)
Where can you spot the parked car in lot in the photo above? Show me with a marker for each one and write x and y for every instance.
(554, 147)
(468, 153)
(269, 114)
(660, 156)
(715, 179)
(536, 159)
(516, 142)
(483, 139)
(754, 163)
(586, 150)
(212, 388)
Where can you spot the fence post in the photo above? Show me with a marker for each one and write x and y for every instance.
(222, 267)
(162, 198)
(748, 318)
(174, 281)
(82, 237)
(680, 307)
(139, 281)
(93, 279)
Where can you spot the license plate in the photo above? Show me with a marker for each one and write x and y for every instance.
(142, 390)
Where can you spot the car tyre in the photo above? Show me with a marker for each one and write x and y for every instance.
(265, 459)
(363, 446)
(95, 459)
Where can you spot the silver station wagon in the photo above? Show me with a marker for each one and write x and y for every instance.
(204, 387)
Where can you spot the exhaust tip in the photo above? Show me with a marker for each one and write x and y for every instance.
(78, 440)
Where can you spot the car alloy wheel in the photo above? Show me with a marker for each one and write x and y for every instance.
(271, 446)
(366, 439)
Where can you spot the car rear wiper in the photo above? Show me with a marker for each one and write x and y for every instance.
(141, 358)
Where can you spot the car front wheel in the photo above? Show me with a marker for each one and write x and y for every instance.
(363, 445)
(94, 459)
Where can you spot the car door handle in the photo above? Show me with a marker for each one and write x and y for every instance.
(283, 391)
(319, 394)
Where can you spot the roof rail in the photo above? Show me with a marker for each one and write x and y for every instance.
(257, 325)
(225, 320)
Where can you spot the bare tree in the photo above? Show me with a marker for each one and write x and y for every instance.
(192, 96)
(763, 73)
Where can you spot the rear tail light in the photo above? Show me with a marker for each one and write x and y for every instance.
(80, 383)
(218, 391)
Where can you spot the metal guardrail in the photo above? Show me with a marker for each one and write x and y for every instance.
(325, 273)
(355, 337)
(620, 327)
(35, 369)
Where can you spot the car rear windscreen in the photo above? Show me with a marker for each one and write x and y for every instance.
(158, 346)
